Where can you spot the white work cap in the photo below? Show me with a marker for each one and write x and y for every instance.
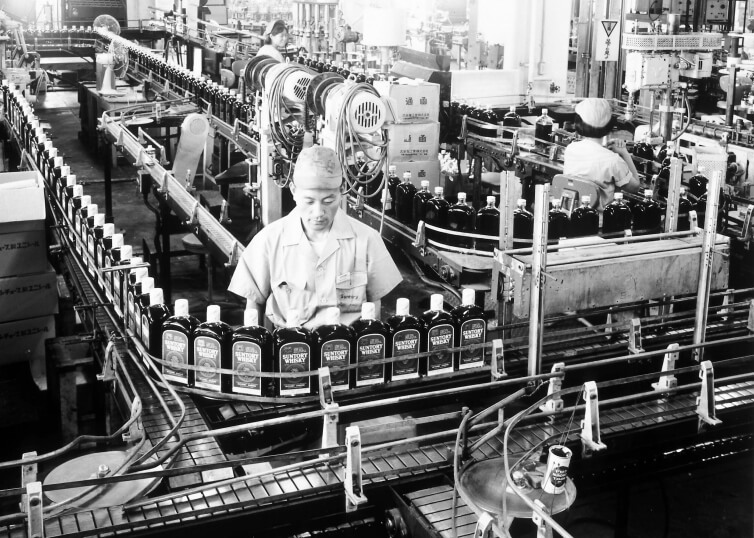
(317, 167)
(594, 112)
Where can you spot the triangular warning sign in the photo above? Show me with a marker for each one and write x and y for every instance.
(609, 26)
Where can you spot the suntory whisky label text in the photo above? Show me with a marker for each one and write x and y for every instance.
(439, 338)
(175, 351)
(207, 360)
(406, 342)
(473, 331)
(247, 362)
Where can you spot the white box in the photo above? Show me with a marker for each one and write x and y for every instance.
(421, 170)
(22, 197)
(413, 141)
(410, 101)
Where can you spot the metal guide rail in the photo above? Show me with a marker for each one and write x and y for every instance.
(352, 469)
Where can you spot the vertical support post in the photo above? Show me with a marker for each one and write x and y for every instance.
(35, 522)
(590, 426)
(705, 403)
(668, 381)
(352, 480)
(538, 268)
(108, 173)
(326, 400)
(634, 337)
(543, 526)
(555, 384)
(165, 278)
(472, 55)
(508, 197)
(705, 267)
(674, 194)
(28, 474)
(497, 361)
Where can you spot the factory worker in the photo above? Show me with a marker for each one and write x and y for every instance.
(275, 40)
(317, 256)
(607, 165)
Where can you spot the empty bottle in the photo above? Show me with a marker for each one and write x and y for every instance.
(177, 345)
(251, 353)
(461, 219)
(488, 223)
(617, 217)
(523, 225)
(404, 200)
(584, 219)
(334, 343)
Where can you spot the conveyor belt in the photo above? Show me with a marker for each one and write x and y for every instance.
(378, 466)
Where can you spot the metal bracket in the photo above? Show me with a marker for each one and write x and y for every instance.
(483, 527)
(420, 241)
(634, 337)
(694, 221)
(750, 324)
(352, 482)
(165, 188)
(543, 527)
(747, 229)
(108, 363)
(497, 361)
(136, 429)
(667, 382)
(193, 220)
(28, 475)
(705, 403)
(326, 400)
(555, 384)
(590, 426)
(33, 509)
(727, 299)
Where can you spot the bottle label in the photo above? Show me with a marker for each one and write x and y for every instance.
(370, 348)
(131, 310)
(175, 351)
(295, 357)
(406, 342)
(247, 362)
(337, 353)
(90, 249)
(145, 330)
(473, 331)
(440, 337)
(108, 279)
(207, 356)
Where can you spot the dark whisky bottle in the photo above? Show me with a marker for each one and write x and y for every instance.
(684, 207)
(436, 214)
(523, 225)
(557, 227)
(420, 202)
(584, 219)
(406, 338)
(212, 352)
(647, 215)
(461, 219)
(440, 328)
(371, 337)
(471, 329)
(251, 352)
(616, 217)
(404, 200)
(293, 346)
(177, 345)
(151, 321)
(334, 343)
(488, 223)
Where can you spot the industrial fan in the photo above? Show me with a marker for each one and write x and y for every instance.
(107, 22)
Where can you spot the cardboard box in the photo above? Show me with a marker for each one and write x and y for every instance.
(28, 296)
(421, 170)
(23, 247)
(413, 141)
(410, 101)
(24, 340)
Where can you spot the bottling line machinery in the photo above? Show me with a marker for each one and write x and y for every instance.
(663, 368)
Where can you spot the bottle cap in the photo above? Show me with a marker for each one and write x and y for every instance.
(91, 209)
(367, 311)
(490, 199)
(251, 317)
(647, 193)
(108, 229)
(468, 297)
(618, 196)
(513, 108)
(407, 176)
(140, 273)
(439, 191)
(48, 145)
(521, 202)
(556, 202)
(683, 191)
(155, 296)
(99, 219)
(544, 112)
(70, 181)
(147, 284)
(126, 251)
(392, 168)
(436, 301)
(402, 306)
(213, 313)
(65, 170)
(586, 199)
(135, 260)
(461, 196)
(58, 162)
(332, 316)
(292, 318)
(86, 200)
(181, 307)
(53, 152)
(117, 240)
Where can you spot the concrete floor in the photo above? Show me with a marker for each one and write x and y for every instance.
(715, 500)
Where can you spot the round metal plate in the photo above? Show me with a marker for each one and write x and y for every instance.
(483, 483)
(85, 467)
(312, 92)
(139, 121)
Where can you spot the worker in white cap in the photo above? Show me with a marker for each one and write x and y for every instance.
(275, 40)
(608, 165)
(317, 256)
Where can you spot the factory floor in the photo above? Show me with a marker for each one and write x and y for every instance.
(713, 500)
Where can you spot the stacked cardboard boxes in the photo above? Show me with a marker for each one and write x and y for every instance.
(28, 290)
(413, 128)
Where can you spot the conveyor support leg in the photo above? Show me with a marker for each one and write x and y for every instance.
(543, 527)
(667, 382)
(34, 519)
(497, 362)
(330, 420)
(483, 527)
(352, 482)
(554, 404)
(705, 403)
(590, 426)
(634, 337)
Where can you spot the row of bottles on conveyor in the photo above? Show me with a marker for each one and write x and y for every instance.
(180, 339)
(40, 35)
(458, 109)
(95, 241)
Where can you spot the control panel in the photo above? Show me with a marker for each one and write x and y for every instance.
(717, 11)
